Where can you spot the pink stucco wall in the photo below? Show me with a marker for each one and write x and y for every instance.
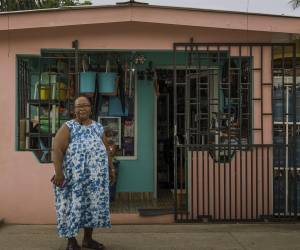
(240, 189)
(25, 190)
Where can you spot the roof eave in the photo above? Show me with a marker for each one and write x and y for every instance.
(83, 7)
(145, 14)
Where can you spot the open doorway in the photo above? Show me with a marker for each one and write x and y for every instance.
(164, 127)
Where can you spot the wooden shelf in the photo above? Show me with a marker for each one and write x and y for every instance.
(43, 103)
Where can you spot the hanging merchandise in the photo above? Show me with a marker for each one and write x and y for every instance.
(150, 71)
(87, 82)
(128, 146)
(139, 59)
(87, 79)
(115, 107)
(141, 75)
(128, 128)
(156, 84)
(103, 105)
(132, 85)
(131, 81)
(107, 81)
(126, 81)
(121, 85)
(95, 106)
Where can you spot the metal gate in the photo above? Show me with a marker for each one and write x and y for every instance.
(236, 132)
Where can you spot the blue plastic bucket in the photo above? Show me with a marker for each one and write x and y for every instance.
(107, 83)
(87, 82)
(115, 107)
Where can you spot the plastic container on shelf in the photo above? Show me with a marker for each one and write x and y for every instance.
(48, 78)
(44, 125)
(59, 91)
(45, 92)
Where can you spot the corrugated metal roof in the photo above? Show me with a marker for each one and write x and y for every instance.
(86, 7)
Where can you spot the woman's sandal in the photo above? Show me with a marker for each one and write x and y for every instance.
(92, 244)
(73, 247)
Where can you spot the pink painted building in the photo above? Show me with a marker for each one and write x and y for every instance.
(206, 114)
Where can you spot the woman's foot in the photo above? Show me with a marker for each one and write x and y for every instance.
(72, 244)
(92, 244)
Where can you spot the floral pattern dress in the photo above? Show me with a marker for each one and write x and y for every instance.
(84, 200)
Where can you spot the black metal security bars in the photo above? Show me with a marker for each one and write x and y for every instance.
(227, 161)
(47, 87)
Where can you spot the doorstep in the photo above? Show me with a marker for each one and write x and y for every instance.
(155, 211)
(136, 219)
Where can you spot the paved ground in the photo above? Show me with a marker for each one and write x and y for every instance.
(203, 236)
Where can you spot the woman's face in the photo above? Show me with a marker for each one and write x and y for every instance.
(82, 108)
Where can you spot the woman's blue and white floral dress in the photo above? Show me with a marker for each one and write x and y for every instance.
(84, 200)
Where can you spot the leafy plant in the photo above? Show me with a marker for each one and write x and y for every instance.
(295, 3)
(14, 5)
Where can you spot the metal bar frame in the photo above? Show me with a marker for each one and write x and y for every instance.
(254, 158)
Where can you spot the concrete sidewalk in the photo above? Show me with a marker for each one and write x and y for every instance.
(200, 236)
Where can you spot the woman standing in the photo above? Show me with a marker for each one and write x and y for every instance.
(81, 177)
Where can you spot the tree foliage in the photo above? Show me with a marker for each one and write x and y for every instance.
(295, 3)
(13, 5)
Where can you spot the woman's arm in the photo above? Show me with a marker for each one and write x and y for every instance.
(106, 144)
(60, 145)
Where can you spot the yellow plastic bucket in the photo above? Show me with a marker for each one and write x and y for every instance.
(45, 92)
(61, 91)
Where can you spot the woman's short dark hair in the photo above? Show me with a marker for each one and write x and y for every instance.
(87, 98)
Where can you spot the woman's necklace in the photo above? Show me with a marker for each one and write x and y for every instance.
(84, 123)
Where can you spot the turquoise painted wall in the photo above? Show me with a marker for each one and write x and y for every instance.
(138, 175)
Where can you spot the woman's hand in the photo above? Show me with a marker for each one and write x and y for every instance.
(112, 175)
(60, 145)
(59, 179)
